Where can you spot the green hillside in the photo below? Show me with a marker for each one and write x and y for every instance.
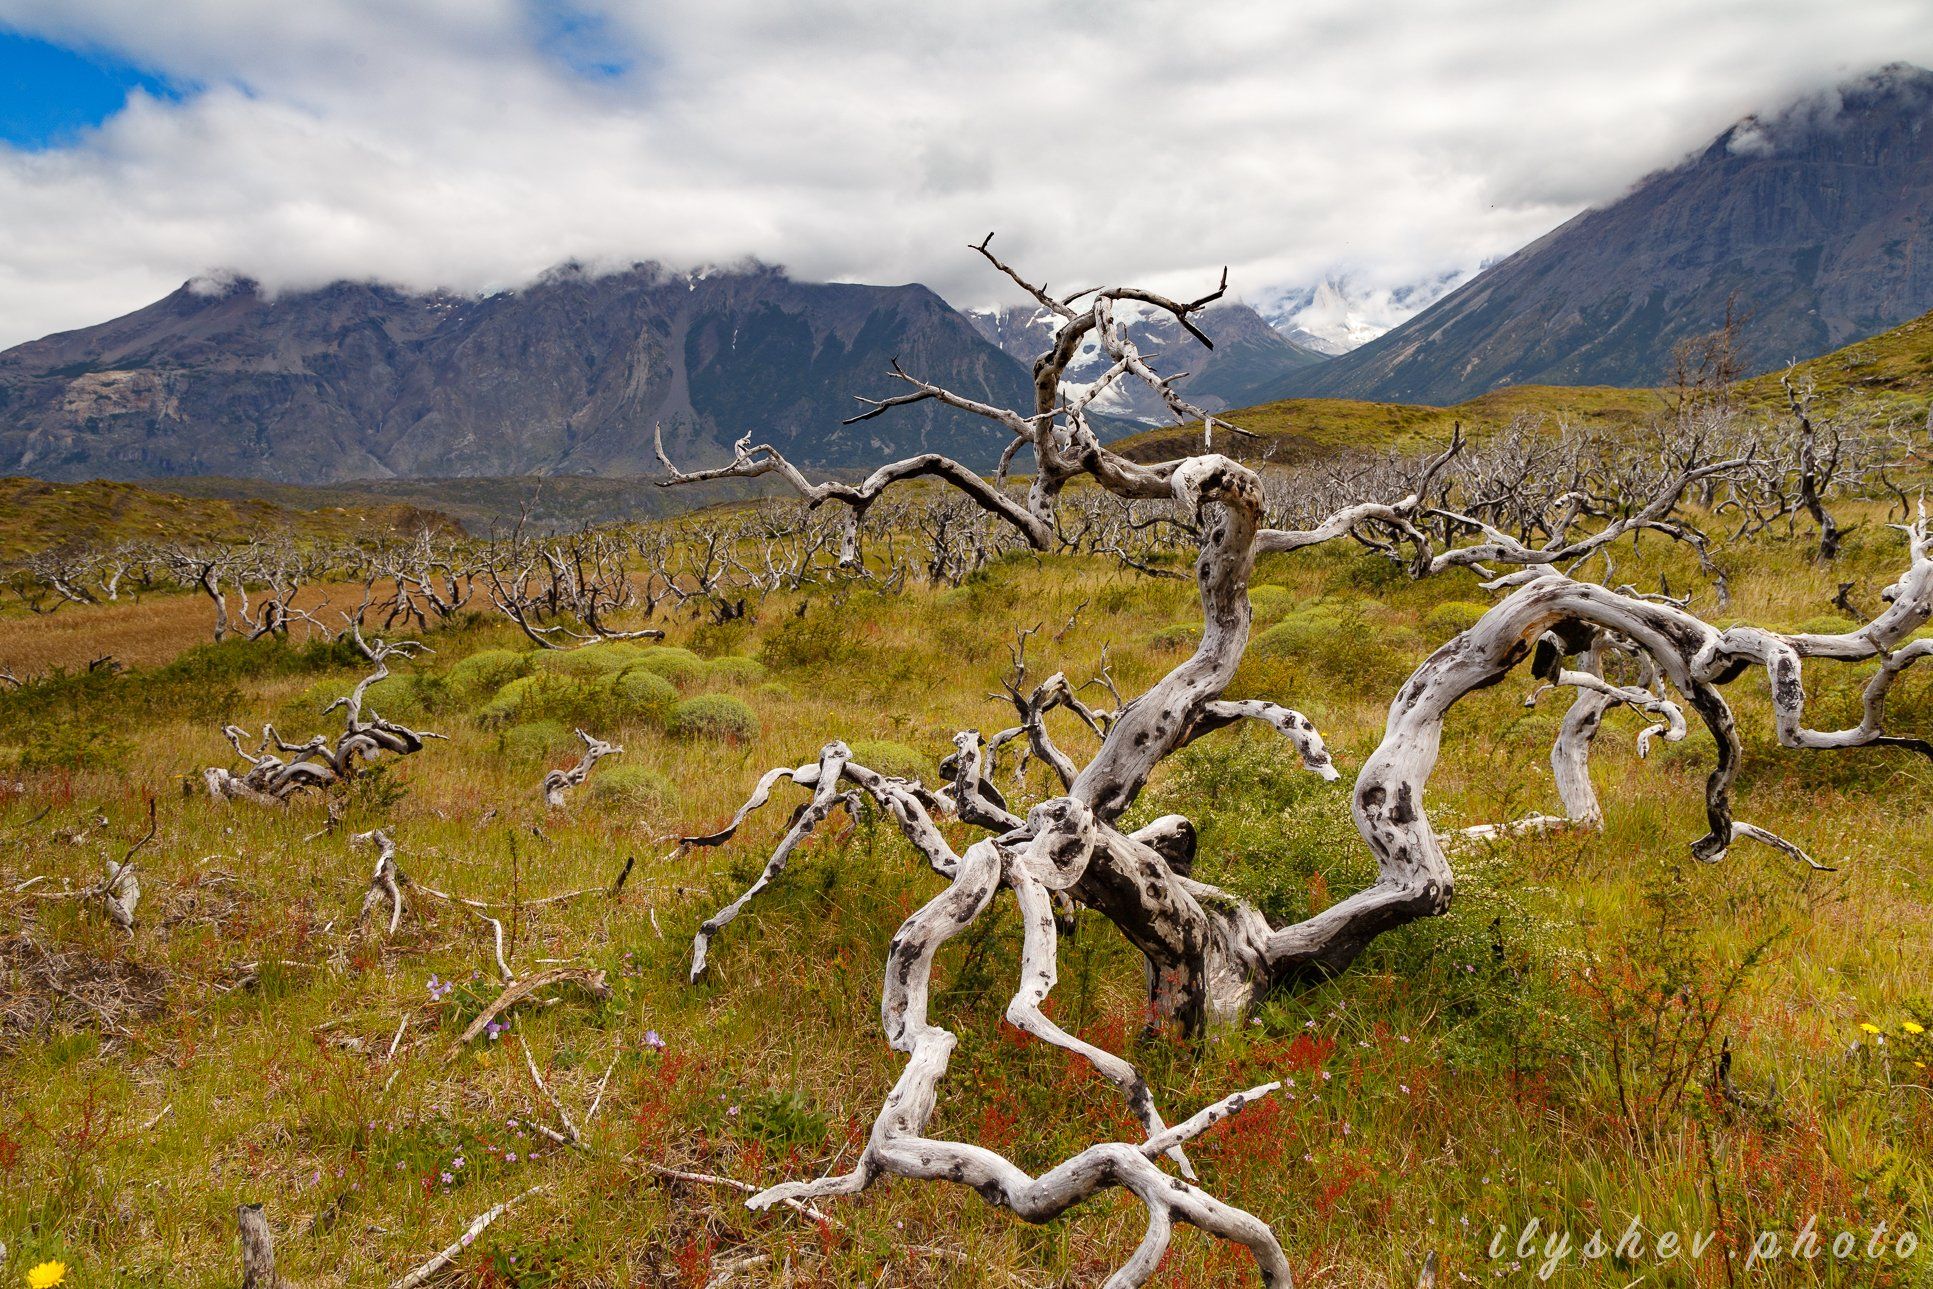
(37, 515)
(1889, 375)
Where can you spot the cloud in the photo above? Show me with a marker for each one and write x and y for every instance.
(470, 144)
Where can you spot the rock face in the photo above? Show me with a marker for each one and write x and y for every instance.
(1249, 356)
(1815, 226)
(568, 376)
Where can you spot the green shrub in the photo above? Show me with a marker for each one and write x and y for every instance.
(1372, 574)
(512, 700)
(632, 787)
(895, 759)
(1270, 831)
(715, 639)
(70, 747)
(486, 672)
(1176, 635)
(1451, 618)
(542, 696)
(1270, 602)
(1301, 632)
(536, 742)
(679, 666)
(593, 661)
(239, 659)
(640, 695)
(715, 716)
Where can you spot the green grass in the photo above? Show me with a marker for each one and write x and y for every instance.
(1886, 377)
(1543, 1051)
(36, 515)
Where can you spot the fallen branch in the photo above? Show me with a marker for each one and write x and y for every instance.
(518, 991)
(558, 782)
(477, 1227)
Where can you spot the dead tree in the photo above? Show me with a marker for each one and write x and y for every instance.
(1210, 955)
(427, 573)
(258, 1248)
(558, 782)
(560, 592)
(279, 771)
(1815, 467)
(203, 568)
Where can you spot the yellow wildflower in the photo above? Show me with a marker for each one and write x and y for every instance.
(1869, 1027)
(1912, 1027)
(47, 1275)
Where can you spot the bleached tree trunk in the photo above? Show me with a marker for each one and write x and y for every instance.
(559, 782)
(1210, 955)
(258, 1248)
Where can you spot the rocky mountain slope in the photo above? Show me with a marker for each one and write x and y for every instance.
(567, 376)
(1814, 225)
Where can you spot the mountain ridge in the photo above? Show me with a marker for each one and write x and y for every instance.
(1815, 224)
(568, 375)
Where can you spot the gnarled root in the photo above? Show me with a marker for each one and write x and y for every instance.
(898, 1147)
(559, 782)
(279, 770)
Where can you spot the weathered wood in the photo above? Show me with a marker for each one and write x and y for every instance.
(1210, 955)
(559, 782)
(258, 1248)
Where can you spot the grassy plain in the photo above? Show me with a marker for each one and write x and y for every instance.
(1547, 1050)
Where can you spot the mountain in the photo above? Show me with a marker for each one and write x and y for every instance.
(1341, 313)
(1248, 359)
(1813, 226)
(567, 376)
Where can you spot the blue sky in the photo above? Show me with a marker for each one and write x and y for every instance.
(49, 93)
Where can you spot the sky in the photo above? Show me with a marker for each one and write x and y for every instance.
(469, 145)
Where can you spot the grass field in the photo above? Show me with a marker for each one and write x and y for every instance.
(1886, 378)
(1546, 1051)
(36, 515)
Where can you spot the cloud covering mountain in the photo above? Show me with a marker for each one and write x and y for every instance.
(471, 144)
(1808, 225)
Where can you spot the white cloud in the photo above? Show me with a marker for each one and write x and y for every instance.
(471, 143)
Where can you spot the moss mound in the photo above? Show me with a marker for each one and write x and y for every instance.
(485, 672)
(640, 695)
(1301, 632)
(592, 662)
(679, 666)
(1270, 602)
(537, 742)
(632, 787)
(715, 716)
(1176, 635)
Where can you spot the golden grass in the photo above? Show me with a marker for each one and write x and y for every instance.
(142, 631)
(1467, 1087)
(37, 515)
